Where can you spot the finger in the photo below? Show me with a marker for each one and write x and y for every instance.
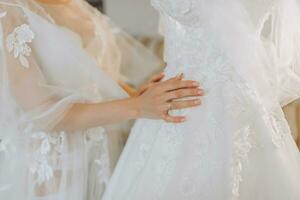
(179, 84)
(179, 77)
(157, 77)
(181, 93)
(177, 105)
(173, 119)
(145, 87)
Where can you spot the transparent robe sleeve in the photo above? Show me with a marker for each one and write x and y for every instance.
(48, 70)
(44, 72)
(119, 54)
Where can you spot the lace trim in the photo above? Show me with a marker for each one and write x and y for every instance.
(49, 144)
(17, 43)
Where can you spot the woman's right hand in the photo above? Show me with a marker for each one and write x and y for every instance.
(160, 98)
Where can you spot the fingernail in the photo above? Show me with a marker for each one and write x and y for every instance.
(183, 119)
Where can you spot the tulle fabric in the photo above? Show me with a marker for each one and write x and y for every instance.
(268, 31)
(237, 145)
(118, 54)
(48, 64)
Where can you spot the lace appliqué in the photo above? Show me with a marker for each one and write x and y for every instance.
(17, 43)
(242, 147)
(99, 138)
(49, 144)
(279, 127)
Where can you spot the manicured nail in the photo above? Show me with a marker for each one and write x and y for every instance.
(183, 119)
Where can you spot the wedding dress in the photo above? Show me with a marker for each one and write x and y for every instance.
(47, 64)
(237, 145)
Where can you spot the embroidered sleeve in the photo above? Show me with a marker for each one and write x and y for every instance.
(17, 43)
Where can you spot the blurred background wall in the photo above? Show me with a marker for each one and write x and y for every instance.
(142, 22)
(137, 17)
(97, 3)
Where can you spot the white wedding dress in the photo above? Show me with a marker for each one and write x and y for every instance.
(52, 57)
(237, 145)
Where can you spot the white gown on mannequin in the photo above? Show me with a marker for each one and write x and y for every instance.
(237, 145)
(47, 64)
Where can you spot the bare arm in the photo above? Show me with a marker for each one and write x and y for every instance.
(83, 116)
(154, 103)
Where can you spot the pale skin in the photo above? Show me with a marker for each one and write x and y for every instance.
(153, 101)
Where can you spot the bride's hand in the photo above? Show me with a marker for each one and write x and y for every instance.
(158, 100)
(153, 80)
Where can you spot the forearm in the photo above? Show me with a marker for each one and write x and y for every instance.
(84, 116)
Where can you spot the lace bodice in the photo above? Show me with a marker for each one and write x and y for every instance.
(184, 11)
(197, 45)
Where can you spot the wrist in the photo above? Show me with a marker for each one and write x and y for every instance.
(136, 107)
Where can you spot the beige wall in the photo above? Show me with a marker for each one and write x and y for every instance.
(136, 16)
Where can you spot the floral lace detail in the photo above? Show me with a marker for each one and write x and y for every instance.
(232, 113)
(98, 137)
(17, 42)
(49, 144)
(278, 126)
(104, 168)
(242, 147)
